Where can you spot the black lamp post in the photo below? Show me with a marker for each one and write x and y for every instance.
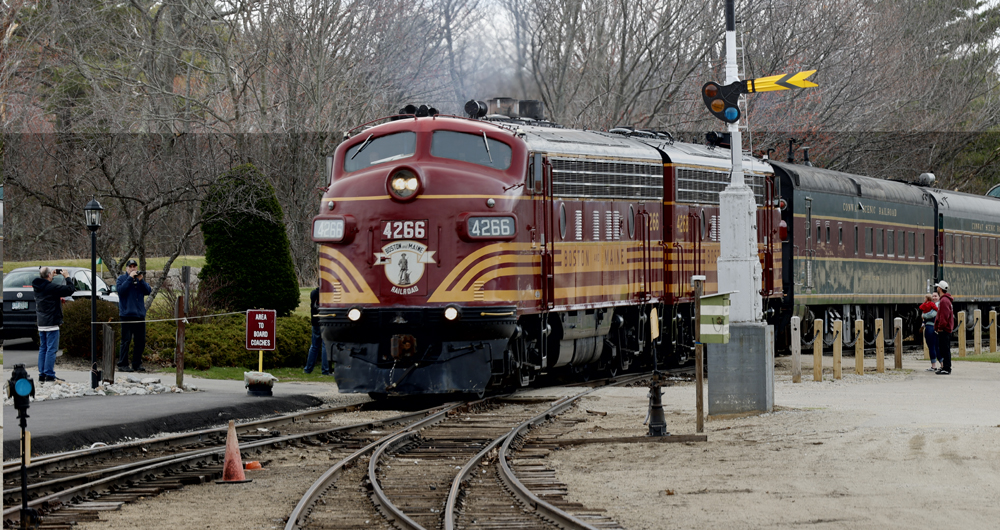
(92, 212)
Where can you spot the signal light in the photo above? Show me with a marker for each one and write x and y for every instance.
(723, 101)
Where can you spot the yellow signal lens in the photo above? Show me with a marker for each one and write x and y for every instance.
(718, 105)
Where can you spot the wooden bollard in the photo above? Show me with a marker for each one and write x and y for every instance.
(977, 332)
(961, 333)
(879, 346)
(796, 350)
(993, 331)
(838, 346)
(897, 333)
(859, 348)
(817, 350)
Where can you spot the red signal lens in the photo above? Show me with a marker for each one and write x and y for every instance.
(712, 91)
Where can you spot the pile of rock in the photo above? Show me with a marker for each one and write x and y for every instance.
(125, 385)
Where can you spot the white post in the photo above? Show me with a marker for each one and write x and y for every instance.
(739, 266)
(796, 351)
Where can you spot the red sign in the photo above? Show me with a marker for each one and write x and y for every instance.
(261, 329)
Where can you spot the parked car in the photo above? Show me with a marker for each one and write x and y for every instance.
(19, 298)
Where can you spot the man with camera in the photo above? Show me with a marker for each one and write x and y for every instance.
(48, 307)
(132, 290)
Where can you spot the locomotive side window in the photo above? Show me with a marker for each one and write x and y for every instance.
(890, 243)
(967, 247)
(475, 148)
(374, 151)
(912, 240)
(902, 243)
(920, 251)
(562, 220)
(880, 242)
(828, 231)
(993, 251)
(949, 249)
(855, 240)
(840, 234)
(975, 250)
(869, 240)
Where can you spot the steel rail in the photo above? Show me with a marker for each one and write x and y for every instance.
(514, 485)
(46, 463)
(297, 517)
(136, 474)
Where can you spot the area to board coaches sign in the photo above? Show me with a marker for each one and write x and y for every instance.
(261, 329)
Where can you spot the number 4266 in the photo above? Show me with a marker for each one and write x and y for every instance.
(404, 230)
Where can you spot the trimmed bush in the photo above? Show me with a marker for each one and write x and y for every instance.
(74, 333)
(221, 341)
(248, 260)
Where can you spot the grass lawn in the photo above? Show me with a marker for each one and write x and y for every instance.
(984, 358)
(236, 374)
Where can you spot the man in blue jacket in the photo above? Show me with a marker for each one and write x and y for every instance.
(48, 308)
(132, 290)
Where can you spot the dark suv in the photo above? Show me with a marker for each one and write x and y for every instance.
(19, 298)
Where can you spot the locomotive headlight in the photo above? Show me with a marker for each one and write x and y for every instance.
(403, 184)
(354, 314)
(451, 312)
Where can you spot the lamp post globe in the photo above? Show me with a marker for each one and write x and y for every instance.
(92, 214)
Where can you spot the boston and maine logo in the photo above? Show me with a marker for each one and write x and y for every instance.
(404, 264)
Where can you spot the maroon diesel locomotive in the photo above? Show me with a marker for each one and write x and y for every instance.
(467, 254)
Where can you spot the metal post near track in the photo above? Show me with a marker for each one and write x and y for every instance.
(961, 334)
(838, 347)
(993, 331)
(977, 332)
(817, 350)
(897, 334)
(859, 347)
(699, 354)
(879, 346)
(796, 350)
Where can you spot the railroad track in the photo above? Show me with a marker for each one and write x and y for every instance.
(73, 487)
(471, 466)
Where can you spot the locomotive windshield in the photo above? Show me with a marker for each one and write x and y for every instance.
(374, 151)
(475, 148)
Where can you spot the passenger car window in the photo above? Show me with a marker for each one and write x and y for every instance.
(471, 148)
(376, 150)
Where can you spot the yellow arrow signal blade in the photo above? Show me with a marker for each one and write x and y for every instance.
(780, 82)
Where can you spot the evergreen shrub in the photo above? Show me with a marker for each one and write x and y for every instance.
(74, 333)
(248, 260)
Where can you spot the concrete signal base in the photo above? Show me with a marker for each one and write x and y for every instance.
(741, 373)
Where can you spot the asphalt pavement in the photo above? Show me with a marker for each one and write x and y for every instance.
(66, 424)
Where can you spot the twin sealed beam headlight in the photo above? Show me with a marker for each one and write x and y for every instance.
(404, 184)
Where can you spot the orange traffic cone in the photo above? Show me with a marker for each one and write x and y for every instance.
(232, 467)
